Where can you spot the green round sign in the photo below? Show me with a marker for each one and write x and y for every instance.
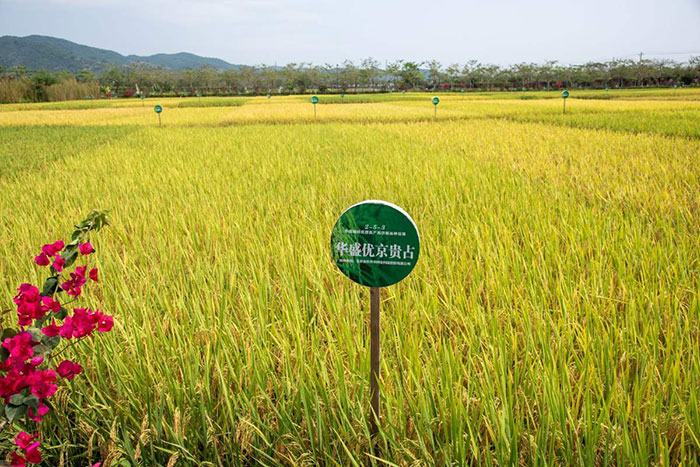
(143, 96)
(375, 243)
(565, 94)
(269, 95)
(314, 100)
(462, 89)
(199, 94)
(436, 100)
(404, 91)
(158, 109)
(90, 97)
(342, 95)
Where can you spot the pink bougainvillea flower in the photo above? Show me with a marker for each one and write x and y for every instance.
(83, 322)
(77, 280)
(58, 263)
(28, 302)
(93, 274)
(16, 460)
(36, 361)
(67, 329)
(41, 383)
(68, 370)
(38, 413)
(24, 440)
(49, 304)
(52, 249)
(42, 260)
(51, 330)
(20, 346)
(85, 248)
(105, 323)
(33, 454)
(12, 383)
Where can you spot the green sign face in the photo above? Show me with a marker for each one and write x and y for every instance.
(404, 91)
(375, 243)
(158, 109)
(269, 95)
(90, 97)
(436, 100)
(199, 94)
(342, 95)
(565, 94)
(143, 96)
(462, 89)
(314, 100)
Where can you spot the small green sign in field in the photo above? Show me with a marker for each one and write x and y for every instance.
(436, 100)
(565, 94)
(375, 243)
(314, 100)
(158, 109)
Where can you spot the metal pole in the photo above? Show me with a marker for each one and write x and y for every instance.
(159, 124)
(374, 360)
(435, 117)
(314, 111)
(565, 106)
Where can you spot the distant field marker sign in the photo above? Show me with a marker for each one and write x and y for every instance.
(158, 109)
(375, 244)
(314, 101)
(436, 101)
(564, 96)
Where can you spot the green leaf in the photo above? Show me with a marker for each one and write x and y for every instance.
(50, 286)
(13, 412)
(31, 401)
(36, 334)
(47, 345)
(61, 314)
(70, 254)
(17, 399)
(8, 333)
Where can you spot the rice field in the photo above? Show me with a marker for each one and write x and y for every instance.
(553, 317)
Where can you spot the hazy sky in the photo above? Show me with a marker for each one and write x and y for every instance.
(328, 31)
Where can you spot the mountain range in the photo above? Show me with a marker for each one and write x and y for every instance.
(54, 54)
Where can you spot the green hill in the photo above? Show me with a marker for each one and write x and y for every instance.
(53, 54)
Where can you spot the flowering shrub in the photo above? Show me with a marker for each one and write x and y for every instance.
(29, 365)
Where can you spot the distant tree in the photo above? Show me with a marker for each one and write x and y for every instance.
(411, 75)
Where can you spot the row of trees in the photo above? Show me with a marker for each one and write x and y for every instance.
(19, 84)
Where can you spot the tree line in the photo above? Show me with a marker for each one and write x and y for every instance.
(18, 84)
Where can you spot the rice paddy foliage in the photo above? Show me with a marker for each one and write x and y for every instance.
(552, 318)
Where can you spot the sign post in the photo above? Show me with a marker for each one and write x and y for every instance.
(564, 95)
(375, 244)
(143, 102)
(158, 109)
(269, 96)
(314, 101)
(436, 101)
(342, 96)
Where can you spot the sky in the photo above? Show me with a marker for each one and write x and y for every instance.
(256, 32)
